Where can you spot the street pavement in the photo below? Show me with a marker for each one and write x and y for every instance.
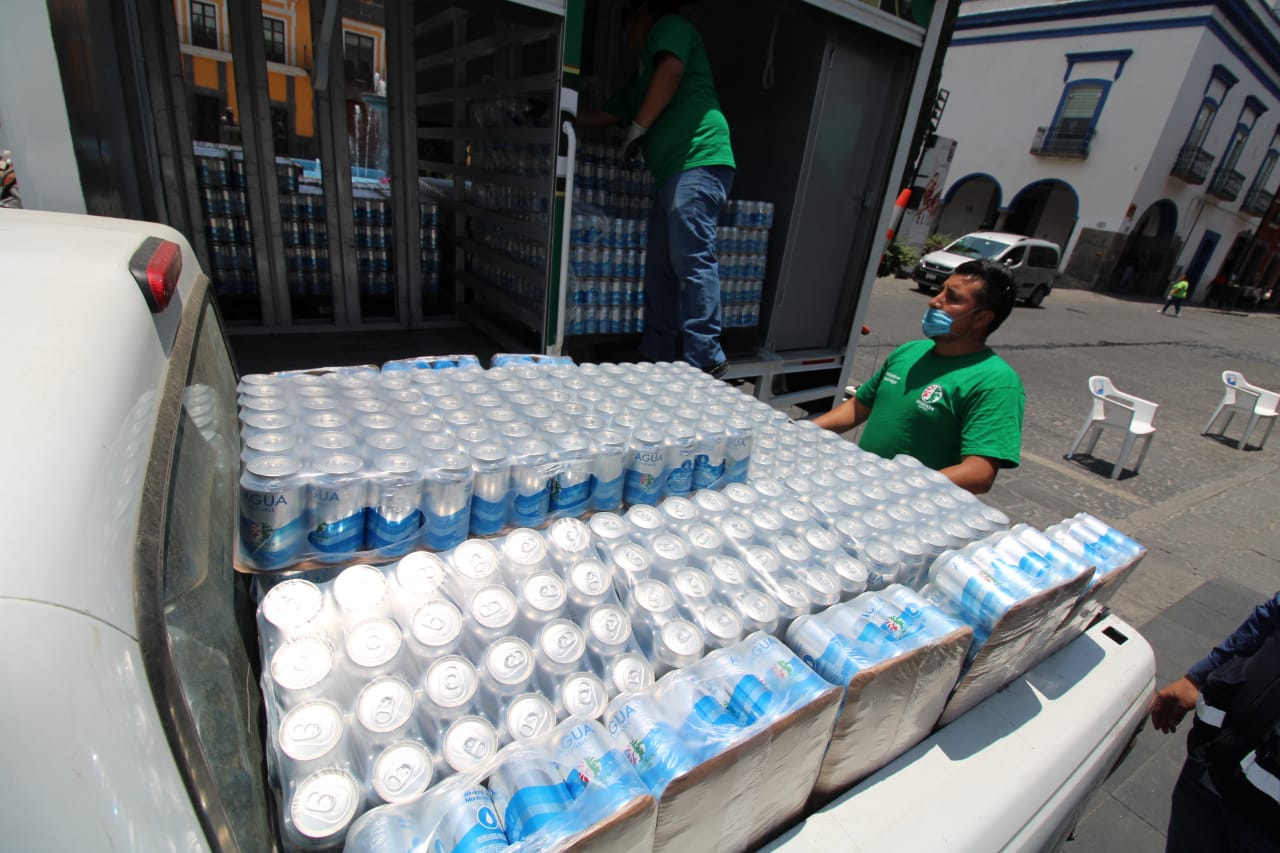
(1205, 509)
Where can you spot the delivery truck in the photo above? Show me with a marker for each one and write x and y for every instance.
(363, 165)
(135, 714)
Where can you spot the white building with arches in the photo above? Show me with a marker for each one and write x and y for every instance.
(1140, 136)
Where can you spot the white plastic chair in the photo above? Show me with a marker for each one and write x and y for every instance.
(1241, 397)
(1114, 409)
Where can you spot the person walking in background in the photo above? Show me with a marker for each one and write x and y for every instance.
(673, 115)
(1228, 795)
(1177, 293)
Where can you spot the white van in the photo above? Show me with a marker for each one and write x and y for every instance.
(1033, 263)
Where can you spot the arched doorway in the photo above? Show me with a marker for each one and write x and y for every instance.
(1046, 210)
(971, 204)
(1149, 253)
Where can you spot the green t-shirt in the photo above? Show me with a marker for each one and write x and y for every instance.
(940, 409)
(691, 131)
(1179, 290)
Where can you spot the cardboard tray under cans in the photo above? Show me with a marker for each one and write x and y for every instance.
(711, 806)
(889, 708)
(628, 830)
(1092, 603)
(797, 745)
(1017, 641)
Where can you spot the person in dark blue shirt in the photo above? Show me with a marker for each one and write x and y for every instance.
(1227, 796)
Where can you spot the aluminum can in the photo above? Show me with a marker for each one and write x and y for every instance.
(607, 528)
(301, 668)
(588, 584)
(272, 511)
(402, 771)
(435, 631)
(581, 694)
(738, 444)
(468, 743)
(571, 485)
(680, 446)
(628, 673)
(670, 552)
(677, 644)
(394, 519)
(645, 522)
(720, 625)
(569, 540)
(524, 552)
(759, 612)
(528, 716)
(710, 455)
(491, 493)
(561, 645)
(650, 604)
(693, 590)
(654, 746)
(325, 444)
(373, 647)
(608, 467)
(728, 575)
(336, 500)
(321, 808)
(311, 736)
(679, 512)
(385, 710)
(528, 793)
(646, 468)
(630, 564)
(276, 443)
(491, 615)
(475, 564)
(542, 598)
(360, 591)
(530, 482)
(449, 688)
(446, 500)
(711, 504)
(389, 441)
(508, 669)
(853, 575)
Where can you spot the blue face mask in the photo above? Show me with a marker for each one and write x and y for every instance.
(935, 323)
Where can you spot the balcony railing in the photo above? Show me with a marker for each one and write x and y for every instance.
(1192, 164)
(1051, 142)
(1226, 184)
(1257, 201)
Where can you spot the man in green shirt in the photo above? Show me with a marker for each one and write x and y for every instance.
(1177, 293)
(949, 401)
(673, 115)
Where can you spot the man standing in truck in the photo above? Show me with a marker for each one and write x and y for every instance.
(948, 400)
(673, 115)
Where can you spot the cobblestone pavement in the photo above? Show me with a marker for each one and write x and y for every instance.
(1205, 508)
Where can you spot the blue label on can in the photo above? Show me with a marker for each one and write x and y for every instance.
(749, 700)
(446, 531)
(736, 470)
(345, 535)
(659, 756)
(706, 475)
(642, 487)
(680, 480)
(836, 664)
(530, 510)
(382, 531)
(532, 808)
(269, 546)
(570, 500)
(606, 495)
(484, 836)
(487, 517)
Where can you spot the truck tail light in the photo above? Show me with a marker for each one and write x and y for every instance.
(157, 266)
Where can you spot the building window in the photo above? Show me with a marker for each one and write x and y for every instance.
(1078, 112)
(1201, 126)
(273, 39)
(204, 25)
(1234, 148)
(358, 58)
(1264, 171)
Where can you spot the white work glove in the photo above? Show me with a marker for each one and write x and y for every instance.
(631, 148)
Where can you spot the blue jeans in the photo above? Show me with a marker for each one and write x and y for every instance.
(681, 276)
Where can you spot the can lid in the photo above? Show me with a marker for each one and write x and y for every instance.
(384, 704)
(758, 606)
(589, 577)
(436, 623)
(339, 464)
(721, 623)
(469, 742)
(530, 715)
(653, 595)
(427, 424)
(360, 588)
(795, 511)
(883, 555)
(792, 594)
(267, 420)
(509, 661)
(761, 559)
(680, 431)
(272, 467)
(728, 570)
(630, 672)
(792, 550)
(392, 441)
(420, 573)
(769, 487)
(451, 462)
(570, 535)
(766, 519)
(679, 508)
(952, 527)
(562, 641)
(376, 420)
(737, 528)
(476, 560)
(851, 570)
(274, 443)
(493, 607)
(525, 547)
(705, 537)
(451, 682)
(302, 663)
(609, 624)
(397, 463)
(324, 803)
(820, 540)
(608, 526)
(682, 638)
(310, 730)
(545, 592)
(402, 771)
(292, 604)
(712, 501)
(631, 558)
(823, 582)
(644, 517)
(332, 440)
(583, 694)
(645, 436)
(670, 548)
(741, 494)
(692, 584)
(373, 642)
(531, 451)
(488, 453)
(609, 438)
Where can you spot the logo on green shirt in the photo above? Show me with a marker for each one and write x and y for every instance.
(932, 394)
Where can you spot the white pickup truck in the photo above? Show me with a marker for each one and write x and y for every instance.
(132, 710)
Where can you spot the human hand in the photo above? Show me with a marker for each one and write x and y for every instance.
(1172, 702)
(631, 147)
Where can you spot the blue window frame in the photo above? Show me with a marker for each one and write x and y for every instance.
(1203, 124)
(1077, 115)
(1265, 169)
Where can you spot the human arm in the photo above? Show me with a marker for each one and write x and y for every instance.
(594, 119)
(849, 414)
(973, 473)
(668, 71)
(1172, 702)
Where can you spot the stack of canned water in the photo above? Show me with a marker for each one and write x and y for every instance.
(306, 241)
(604, 182)
(430, 232)
(606, 265)
(532, 159)
(362, 460)
(742, 246)
(526, 277)
(226, 210)
(375, 267)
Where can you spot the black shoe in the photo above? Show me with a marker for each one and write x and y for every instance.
(717, 370)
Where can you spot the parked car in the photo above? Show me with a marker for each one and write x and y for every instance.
(1033, 263)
